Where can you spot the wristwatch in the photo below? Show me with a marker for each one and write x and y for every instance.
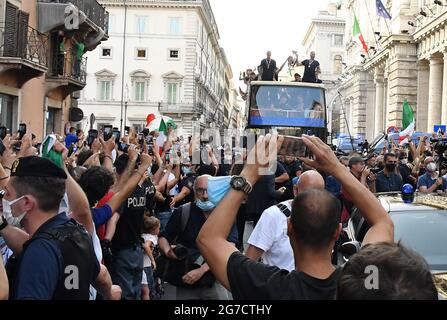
(239, 183)
(3, 222)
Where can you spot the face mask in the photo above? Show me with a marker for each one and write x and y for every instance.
(431, 167)
(390, 167)
(186, 170)
(218, 187)
(7, 212)
(404, 161)
(205, 206)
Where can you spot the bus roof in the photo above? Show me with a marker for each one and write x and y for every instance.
(291, 84)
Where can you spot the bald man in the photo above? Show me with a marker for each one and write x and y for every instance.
(269, 239)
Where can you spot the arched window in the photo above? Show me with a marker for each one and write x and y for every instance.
(338, 64)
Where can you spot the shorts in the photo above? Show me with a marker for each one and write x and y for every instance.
(144, 278)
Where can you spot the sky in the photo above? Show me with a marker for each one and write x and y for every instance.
(249, 28)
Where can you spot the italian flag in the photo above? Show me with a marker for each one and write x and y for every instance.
(357, 34)
(408, 123)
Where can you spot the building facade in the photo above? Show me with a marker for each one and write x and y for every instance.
(163, 58)
(42, 63)
(406, 61)
(325, 36)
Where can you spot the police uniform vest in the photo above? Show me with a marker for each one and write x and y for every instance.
(76, 247)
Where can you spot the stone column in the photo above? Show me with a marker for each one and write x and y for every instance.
(422, 98)
(435, 92)
(379, 108)
(444, 91)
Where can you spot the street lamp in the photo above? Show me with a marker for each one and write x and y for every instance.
(126, 101)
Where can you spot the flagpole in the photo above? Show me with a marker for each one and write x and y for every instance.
(370, 22)
(387, 26)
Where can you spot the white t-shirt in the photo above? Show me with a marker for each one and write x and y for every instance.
(154, 240)
(174, 191)
(270, 235)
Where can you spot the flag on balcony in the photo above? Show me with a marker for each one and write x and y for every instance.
(357, 34)
(382, 11)
(408, 123)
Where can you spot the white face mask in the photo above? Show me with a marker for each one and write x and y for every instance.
(431, 167)
(7, 212)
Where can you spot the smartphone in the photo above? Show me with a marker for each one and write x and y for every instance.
(2, 148)
(116, 134)
(150, 145)
(3, 132)
(126, 130)
(108, 132)
(168, 157)
(293, 146)
(141, 140)
(22, 130)
(92, 135)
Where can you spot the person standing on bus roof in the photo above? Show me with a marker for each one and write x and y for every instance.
(311, 68)
(268, 67)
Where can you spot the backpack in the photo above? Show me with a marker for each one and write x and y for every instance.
(283, 208)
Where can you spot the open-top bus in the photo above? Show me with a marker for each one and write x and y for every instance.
(291, 108)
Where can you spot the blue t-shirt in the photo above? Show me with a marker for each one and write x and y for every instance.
(101, 215)
(69, 139)
(41, 266)
(333, 186)
(427, 181)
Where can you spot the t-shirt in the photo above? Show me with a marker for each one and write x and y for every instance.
(101, 215)
(41, 266)
(69, 139)
(262, 197)
(309, 70)
(270, 235)
(154, 239)
(129, 226)
(427, 181)
(250, 280)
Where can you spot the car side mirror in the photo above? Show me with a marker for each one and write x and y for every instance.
(348, 249)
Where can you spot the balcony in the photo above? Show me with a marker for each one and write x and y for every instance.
(67, 73)
(23, 48)
(75, 16)
(165, 108)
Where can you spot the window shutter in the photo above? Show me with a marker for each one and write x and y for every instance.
(10, 37)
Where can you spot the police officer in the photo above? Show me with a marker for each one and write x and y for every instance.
(58, 261)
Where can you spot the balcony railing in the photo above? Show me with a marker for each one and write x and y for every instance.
(92, 8)
(176, 108)
(69, 67)
(25, 42)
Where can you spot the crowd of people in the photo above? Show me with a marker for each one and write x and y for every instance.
(118, 217)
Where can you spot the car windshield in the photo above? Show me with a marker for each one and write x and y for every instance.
(426, 233)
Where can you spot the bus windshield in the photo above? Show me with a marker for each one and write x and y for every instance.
(287, 106)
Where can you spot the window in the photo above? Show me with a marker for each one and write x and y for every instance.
(8, 111)
(141, 54)
(112, 21)
(338, 64)
(174, 26)
(105, 90)
(338, 40)
(106, 53)
(140, 91)
(172, 93)
(141, 24)
(174, 54)
(51, 116)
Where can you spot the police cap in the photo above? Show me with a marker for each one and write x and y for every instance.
(36, 167)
